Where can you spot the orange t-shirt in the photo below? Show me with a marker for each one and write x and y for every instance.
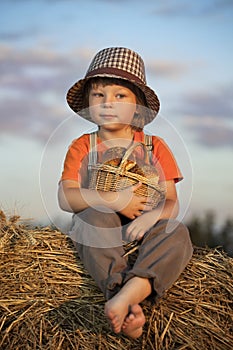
(76, 160)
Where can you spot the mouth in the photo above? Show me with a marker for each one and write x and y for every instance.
(108, 116)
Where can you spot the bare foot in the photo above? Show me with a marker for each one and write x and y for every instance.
(116, 310)
(133, 323)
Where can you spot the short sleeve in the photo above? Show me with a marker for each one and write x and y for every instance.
(76, 160)
(165, 161)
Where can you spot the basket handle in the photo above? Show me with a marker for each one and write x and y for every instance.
(130, 150)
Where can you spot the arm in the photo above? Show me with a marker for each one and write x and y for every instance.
(72, 198)
(166, 210)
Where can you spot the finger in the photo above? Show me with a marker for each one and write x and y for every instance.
(133, 231)
(130, 229)
(136, 235)
(145, 201)
(147, 208)
(148, 202)
(139, 213)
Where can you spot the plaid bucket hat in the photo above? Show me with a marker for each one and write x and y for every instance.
(115, 62)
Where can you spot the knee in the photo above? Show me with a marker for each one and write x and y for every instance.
(103, 217)
(177, 233)
(182, 231)
(93, 228)
(182, 239)
(174, 227)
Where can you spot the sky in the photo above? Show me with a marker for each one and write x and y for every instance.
(47, 45)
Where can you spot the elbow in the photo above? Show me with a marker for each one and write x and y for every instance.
(175, 209)
(63, 205)
(63, 202)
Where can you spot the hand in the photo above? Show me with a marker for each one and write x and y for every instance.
(131, 205)
(138, 227)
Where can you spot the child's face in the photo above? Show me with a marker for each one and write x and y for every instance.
(112, 105)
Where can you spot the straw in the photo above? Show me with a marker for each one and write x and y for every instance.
(48, 300)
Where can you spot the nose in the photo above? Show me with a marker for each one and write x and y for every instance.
(108, 100)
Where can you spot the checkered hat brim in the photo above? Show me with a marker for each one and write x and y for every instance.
(120, 63)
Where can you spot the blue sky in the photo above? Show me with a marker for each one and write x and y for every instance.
(45, 46)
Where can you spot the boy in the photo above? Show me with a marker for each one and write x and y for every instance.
(114, 96)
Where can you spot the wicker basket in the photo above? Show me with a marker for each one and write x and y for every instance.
(105, 177)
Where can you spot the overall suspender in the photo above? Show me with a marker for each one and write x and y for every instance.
(149, 145)
(92, 157)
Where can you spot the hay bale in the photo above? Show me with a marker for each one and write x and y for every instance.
(48, 301)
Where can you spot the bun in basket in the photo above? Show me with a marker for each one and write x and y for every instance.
(120, 169)
(113, 156)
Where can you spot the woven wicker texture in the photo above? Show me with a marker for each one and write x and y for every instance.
(106, 177)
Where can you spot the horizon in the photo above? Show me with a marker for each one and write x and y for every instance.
(187, 52)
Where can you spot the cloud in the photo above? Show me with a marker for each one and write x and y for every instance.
(208, 116)
(15, 60)
(211, 136)
(29, 118)
(13, 35)
(166, 68)
(193, 8)
(166, 8)
(33, 86)
(209, 131)
(40, 71)
(217, 103)
(34, 83)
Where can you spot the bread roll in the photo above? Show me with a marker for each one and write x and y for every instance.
(113, 156)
